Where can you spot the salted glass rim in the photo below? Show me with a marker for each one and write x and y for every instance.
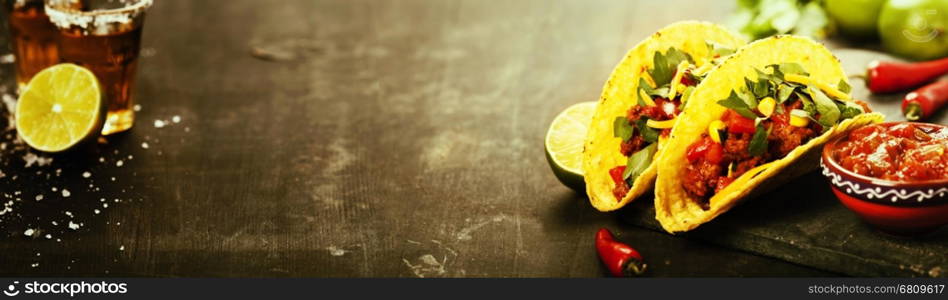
(139, 5)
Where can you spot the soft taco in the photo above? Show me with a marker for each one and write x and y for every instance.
(755, 122)
(639, 105)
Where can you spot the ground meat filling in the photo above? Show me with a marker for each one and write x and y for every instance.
(700, 180)
(784, 138)
(662, 111)
(620, 190)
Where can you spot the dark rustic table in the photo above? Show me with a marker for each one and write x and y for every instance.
(376, 139)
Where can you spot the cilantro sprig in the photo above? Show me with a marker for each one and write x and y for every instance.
(622, 129)
(665, 65)
(638, 162)
(758, 143)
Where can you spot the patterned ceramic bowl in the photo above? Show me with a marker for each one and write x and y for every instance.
(898, 207)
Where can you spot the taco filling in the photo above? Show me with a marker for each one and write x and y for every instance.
(765, 120)
(661, 97)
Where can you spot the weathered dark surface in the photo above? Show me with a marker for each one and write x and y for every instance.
(380, 139)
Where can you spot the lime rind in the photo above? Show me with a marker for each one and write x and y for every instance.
(564, 143)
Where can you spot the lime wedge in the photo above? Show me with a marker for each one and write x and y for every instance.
(60, 107)
(564, 144)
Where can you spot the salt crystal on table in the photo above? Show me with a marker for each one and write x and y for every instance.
(137, 107)
(7, 59)
(28, 232)
(176, 119)
(144, 145)
(49, 236)
(69, 213)
(119, 163)
(39, 197)
(122, 248)
(73, 226)
(66, 193)
(86, 174)
(159, 123)
(96, 211)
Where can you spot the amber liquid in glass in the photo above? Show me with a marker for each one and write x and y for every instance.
(34, 40)
(113, 58)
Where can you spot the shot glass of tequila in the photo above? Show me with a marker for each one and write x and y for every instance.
(33, 38)
(104, 36)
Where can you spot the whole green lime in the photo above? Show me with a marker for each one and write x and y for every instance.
(915, 29)
(855, 18)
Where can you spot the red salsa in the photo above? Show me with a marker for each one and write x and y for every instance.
(896, 151)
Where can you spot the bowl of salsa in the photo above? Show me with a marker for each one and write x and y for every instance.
(893, 175)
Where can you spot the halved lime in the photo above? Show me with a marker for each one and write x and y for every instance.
(564, 144)
(60, 107)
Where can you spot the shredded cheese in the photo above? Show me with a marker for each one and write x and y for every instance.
(660, 124)
(676, 80)
(646, 98)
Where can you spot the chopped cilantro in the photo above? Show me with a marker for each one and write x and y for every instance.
(622, 128)
(649, 134)
(665, 65)
(734, 102)
(758, 143)
(638, 162)
(843, 86)
(829, 112)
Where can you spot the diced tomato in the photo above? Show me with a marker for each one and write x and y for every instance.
(723, 182)
(737, 123)
(706, 148)
(667, 109)
(686, 80)
(715, 153)
(697, 149)
(616, 174)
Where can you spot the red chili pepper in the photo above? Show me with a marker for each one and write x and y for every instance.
(616, 174)
(888, 77)
(621, 259)
(923, 102)
(737, 123)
